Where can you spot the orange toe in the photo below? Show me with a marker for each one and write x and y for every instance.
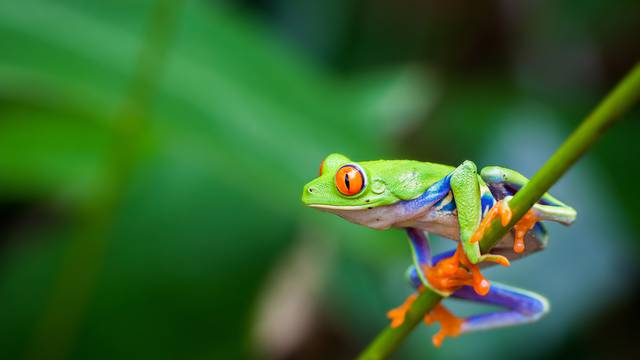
(398, 314)
(450, 266)
(442, 278)
(486, 221)
(501, 261)
(447, 275)
(480, 284)
(450, 325)
(505, 213)
(525, 224)
(501, 209)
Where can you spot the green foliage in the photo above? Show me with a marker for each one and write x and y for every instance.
(213, 198)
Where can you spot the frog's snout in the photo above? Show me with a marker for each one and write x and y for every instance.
(308, 193)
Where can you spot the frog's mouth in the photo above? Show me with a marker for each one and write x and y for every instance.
(340, 207)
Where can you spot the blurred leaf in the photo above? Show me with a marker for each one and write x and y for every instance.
(238, 124)
(49, 151)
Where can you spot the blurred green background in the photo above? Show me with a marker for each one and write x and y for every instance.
(152, 154)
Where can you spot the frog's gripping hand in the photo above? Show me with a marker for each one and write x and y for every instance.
(465, 185)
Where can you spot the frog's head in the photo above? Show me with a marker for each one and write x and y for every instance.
(355, 191)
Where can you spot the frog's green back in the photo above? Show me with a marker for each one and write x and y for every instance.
(385, 182)
(406, 179)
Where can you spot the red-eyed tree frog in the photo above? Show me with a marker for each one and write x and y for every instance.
(453, 202)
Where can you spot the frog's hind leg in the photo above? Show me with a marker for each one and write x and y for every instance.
(421, 254)
(504, 183)
(561, 214)
(522, 307)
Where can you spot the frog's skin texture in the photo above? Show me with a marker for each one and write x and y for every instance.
(453, 202)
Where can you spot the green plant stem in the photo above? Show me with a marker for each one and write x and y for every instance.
(620, 100)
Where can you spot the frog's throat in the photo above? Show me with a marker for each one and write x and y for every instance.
(375, 217)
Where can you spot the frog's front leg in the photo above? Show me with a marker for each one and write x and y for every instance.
(465, 186)
(466, 192)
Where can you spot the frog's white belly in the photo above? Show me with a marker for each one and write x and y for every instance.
(434, 221)
(437, 216)
(430, 219)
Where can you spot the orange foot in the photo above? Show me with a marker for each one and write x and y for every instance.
(398, 314)
(448, 275)
(450, 325)
(502, 209)
(525, 224)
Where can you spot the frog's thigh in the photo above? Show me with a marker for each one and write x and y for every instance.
(523, 307)
(562, 214)
(499, 176)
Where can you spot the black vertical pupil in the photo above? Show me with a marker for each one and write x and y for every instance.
(346, 181)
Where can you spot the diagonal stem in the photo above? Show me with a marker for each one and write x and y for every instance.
(619, 101)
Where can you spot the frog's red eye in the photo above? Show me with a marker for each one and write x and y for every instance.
(349, 180)
(321, 166)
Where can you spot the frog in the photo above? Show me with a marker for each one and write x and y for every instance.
(453, 202)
